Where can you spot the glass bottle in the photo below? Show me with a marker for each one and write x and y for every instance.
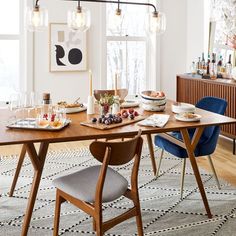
(203, 65)
(229, 68)
(213, 67)
(116, 105)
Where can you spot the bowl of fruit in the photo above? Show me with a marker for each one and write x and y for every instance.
(153, 100)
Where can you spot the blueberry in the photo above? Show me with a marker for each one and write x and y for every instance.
(100, 120)
(131, 116)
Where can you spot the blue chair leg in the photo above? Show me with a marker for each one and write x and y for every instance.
(182, 178)
(159, 163)
(213, 171)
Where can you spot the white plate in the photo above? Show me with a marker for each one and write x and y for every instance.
(180, 117)
(130, 103)
(70, 110)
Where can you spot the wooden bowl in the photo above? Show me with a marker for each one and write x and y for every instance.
(122, 93)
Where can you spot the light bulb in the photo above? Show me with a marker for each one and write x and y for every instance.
(156, 22)
(79, 19)
(36, 19)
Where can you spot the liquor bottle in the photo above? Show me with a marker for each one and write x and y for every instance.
(229, 68)
(219, 66)
(203, 65)
(199, 66)
(213, 67)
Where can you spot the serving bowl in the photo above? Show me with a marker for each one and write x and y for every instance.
(153, 101)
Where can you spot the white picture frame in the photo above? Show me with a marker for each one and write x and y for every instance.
(67, 49)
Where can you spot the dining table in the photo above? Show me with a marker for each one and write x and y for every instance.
(77, 132)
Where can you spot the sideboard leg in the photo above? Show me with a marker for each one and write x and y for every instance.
(234, 146)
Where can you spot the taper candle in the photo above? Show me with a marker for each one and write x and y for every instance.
(116, 84)
(90, 83)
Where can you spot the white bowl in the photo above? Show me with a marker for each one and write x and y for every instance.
(146, 95)
(148, 107)
(181, 107)
(153, 102)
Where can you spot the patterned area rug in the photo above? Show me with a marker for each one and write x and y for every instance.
(163, 212)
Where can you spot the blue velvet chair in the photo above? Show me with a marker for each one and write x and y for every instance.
(207, 143)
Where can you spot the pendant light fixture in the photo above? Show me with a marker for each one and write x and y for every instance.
(155, 22)
(115, 19)
(37, 18)
(79, 19)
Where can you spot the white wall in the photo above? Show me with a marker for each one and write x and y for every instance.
(185, 39)
(173, 45)
(67, 85)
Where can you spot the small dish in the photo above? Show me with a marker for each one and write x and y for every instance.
(182, 107)
(188, 117)
(130, 103)
(70, 110)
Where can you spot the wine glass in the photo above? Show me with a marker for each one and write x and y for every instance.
(15, 106)
(29, 102)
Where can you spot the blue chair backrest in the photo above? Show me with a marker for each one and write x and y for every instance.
(213, 104)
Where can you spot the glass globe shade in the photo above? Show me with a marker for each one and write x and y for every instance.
(37, 19)
(155, 22)
(79, 19)
(115, 20)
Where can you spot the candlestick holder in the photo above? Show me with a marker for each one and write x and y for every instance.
(90, 105)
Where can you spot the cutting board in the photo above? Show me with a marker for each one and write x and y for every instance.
(125, 121)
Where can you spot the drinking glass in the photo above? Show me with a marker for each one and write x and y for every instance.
(29, 103)
(15, 107)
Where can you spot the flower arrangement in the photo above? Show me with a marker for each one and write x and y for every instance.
(106, 101)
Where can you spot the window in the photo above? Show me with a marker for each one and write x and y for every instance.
(10, 48)
(127, 48)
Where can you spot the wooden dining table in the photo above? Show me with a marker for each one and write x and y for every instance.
(76, 132)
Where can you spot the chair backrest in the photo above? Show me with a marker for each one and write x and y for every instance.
(121, 151)
(122, 93)
(213, 104)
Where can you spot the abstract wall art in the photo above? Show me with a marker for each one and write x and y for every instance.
(68, 49)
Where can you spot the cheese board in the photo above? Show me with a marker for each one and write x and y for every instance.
(125, 121)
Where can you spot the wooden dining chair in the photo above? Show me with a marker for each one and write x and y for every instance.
(89, 188)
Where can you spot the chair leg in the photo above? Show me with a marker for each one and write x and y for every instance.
(159, 163)
(94, 224)
(214, 171)
(18, 168)
(98, 223)
(139, 219)
(182, 178)
(59, 200)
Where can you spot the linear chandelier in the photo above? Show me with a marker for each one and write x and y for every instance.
(79, 18)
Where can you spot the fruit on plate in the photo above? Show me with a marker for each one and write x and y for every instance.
(42, 123)
(188, 115)
(108, 119)
(56, 124)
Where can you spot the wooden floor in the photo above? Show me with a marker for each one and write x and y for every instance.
(224, 160)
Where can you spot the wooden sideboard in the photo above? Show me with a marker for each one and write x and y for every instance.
(191, 88)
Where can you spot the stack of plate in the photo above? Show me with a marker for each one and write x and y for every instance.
(181, 107)
(152, 103)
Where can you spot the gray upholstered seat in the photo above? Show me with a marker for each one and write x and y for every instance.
(82, 184)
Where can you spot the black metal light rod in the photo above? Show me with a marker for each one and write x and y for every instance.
(120, 2)
(37, 3)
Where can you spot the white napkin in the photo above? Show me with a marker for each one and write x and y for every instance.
(155, 120)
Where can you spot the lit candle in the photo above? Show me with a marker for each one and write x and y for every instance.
(116, 84)
(90, 83)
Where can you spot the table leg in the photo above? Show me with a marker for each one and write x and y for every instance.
(190, 147)
(151, 152)
(38, 161)
(18, 168)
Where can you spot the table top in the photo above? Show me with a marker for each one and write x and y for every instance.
(76, 132)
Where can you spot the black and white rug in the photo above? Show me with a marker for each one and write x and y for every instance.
(163, 212)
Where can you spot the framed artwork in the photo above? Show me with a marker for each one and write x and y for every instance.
(68, 49)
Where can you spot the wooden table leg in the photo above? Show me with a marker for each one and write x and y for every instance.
(190, 147)
(18, 168)
(38, 161)
(151, 151)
